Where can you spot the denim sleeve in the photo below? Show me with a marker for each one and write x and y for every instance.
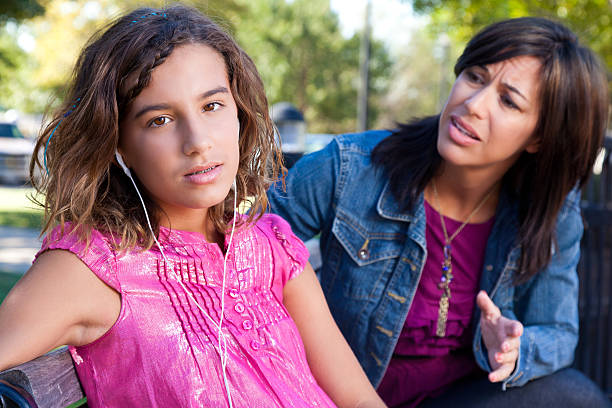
(310, 187)
(548, 306)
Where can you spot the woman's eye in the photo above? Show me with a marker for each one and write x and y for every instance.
(473, 77)
(159, 121)
(210, 107)
(506, 100)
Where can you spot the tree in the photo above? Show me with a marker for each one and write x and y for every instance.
(303, 58)
(420, 78)
(29, 81)
(591, 20)
(20, 9)
(13, 60)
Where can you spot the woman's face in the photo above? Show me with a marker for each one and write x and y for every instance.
(491, 114)
(180, 135)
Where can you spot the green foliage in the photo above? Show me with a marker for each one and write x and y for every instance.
(12, 62)
(20, 9)
(296, 45)
(421, 79)
(303, 59)
(591, 20)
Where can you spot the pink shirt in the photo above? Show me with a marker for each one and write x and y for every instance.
(423, 364)
(161, 351)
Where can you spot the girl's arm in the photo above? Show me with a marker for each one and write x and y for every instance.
(58, 301)
(331, 360)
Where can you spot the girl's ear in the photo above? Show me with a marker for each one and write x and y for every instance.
(122, 164)
(533, 146)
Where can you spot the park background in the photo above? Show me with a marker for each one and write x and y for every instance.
(311, 53)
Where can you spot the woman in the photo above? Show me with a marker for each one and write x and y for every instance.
(477, 206)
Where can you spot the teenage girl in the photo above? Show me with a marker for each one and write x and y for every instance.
(165, 295)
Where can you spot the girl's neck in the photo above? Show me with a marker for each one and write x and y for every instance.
(194, 221)
(461, 190)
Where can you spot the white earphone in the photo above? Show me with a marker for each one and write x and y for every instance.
(222, 341)
(125, 168)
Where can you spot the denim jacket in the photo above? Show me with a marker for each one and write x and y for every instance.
(373, 256)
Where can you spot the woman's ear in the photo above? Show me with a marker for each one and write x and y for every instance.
(533, 146)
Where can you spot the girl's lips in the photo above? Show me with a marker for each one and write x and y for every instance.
(204, 174)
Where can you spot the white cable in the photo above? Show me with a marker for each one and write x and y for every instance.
(227, 251)
(220, 334)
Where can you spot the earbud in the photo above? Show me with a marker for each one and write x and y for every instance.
(122, 164)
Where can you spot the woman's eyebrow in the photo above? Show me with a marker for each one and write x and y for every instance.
(515, 90)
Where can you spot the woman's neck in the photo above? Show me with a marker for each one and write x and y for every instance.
(460, 191)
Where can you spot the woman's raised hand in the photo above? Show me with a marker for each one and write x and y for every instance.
(502, 337)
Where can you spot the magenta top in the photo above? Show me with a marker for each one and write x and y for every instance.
(423, 364)
(162, 350)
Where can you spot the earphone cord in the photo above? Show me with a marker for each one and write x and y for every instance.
(220, 335)
(227, 251)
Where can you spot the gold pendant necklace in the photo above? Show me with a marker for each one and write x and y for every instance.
(447, 267)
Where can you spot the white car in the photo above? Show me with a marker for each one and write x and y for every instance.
(15, 153)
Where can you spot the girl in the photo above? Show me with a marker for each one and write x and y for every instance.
(475, 206)
(166, 131)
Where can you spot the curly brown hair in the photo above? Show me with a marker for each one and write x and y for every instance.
(82, 183)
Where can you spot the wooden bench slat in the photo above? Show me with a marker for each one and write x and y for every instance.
(51, 379)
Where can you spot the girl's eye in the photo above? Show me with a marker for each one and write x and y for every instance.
(506, 100)
(211, 107)
(159, 121)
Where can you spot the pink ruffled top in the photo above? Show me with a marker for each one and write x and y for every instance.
(162, 350)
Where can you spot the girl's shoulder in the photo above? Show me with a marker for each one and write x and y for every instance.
(95, 251)
(285, 244)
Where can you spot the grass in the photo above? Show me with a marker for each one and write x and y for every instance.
(16, 210)
(7, 280)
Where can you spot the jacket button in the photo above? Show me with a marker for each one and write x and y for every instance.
(233, 292)
(363, 254)
(247, 325)
(255, 345)
(239, 307)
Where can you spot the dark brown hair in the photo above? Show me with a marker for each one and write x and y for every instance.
(571, 125)
(84, 184)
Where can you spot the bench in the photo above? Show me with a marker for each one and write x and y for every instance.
(49, 381)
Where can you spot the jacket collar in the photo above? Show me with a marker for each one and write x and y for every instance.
(389, 208)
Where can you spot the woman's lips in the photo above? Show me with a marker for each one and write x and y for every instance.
(461, 133)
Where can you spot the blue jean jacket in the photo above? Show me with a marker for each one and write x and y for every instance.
(373, 256)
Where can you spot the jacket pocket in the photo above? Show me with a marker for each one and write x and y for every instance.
(368, 256)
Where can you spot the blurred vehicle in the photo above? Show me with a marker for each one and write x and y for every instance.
(15, 153)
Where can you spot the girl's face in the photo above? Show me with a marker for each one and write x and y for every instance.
(491, 114)
(180, 135)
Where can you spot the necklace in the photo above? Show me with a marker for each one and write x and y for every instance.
(447, 268)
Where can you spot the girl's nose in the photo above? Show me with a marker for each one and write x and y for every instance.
(196, 138)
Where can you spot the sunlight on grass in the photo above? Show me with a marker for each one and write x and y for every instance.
(16, 210)
(16, 199)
